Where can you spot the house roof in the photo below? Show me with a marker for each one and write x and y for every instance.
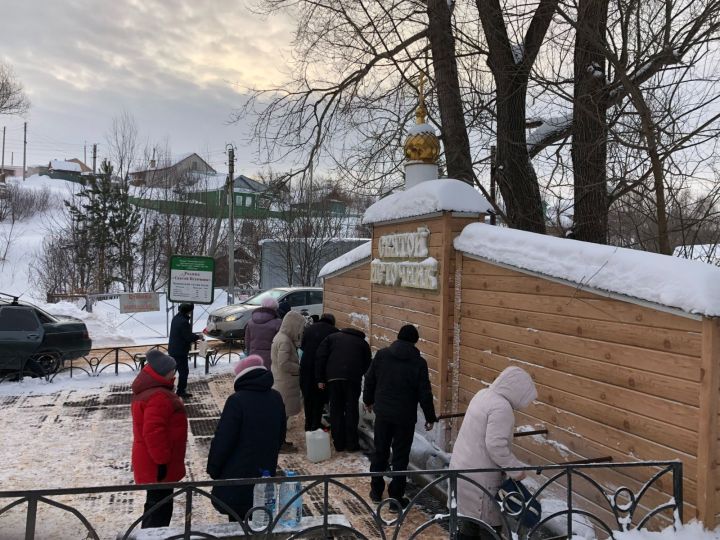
(62, 165)
(175, 163)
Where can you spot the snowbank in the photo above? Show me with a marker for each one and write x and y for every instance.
(691, 286)
(427, 198)
(351, 257)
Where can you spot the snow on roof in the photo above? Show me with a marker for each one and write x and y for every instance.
(427, 198)
(61, 165)
(690, 286)
(351, 257)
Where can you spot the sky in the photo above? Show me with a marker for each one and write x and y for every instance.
(179, 67)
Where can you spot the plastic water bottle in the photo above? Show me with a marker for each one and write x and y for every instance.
(263, 495)
(292, 516)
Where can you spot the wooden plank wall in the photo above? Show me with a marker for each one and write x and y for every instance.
(613, 378)
(347, 296)
(431, 311)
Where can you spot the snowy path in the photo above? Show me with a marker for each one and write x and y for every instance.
(81, 436)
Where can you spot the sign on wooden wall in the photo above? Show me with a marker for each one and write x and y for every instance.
(417, 274)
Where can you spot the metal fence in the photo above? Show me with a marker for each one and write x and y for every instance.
(623, 509)
(109, 360)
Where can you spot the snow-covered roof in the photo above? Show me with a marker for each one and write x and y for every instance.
(428, 197)
(691, 286)
(351, 257)
(61, 165)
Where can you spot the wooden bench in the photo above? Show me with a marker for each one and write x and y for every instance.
(234, 530)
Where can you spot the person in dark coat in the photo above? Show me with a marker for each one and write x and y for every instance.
(260, 331)
(395, 384)
(181, 339)
(313, 397)
(248, 437)
(159, 434)
(283, 308)
(341, 361)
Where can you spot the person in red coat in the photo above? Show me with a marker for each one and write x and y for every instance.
(160, 429)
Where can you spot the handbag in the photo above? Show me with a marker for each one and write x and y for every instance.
(517, 501)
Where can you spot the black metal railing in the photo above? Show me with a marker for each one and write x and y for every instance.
(49, 365)
(613, 510)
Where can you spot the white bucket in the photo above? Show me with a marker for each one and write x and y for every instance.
(318, 445)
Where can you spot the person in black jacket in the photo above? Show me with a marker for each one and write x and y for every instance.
(248, 437)
(341, 361)
(179, 343)
(396, 382)
(313, 397)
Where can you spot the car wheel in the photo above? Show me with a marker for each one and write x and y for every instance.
(48, 361)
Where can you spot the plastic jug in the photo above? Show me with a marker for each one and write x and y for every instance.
(292, 516)
(263, 495)
(318, 445)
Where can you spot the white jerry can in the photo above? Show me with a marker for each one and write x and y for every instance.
(318, 445)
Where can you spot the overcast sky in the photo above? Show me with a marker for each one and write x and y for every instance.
(178, 66)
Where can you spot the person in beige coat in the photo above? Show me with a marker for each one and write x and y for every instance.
(484, 442)
(285, 364)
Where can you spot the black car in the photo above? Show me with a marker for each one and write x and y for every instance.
(32, 340)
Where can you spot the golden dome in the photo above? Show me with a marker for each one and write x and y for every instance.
(421, 143)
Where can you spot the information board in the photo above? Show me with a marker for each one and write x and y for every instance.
(192, 279)
(139, 302)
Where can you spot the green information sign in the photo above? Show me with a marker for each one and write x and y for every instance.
(192, 279)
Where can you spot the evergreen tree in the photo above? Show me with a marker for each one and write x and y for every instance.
(109, 224)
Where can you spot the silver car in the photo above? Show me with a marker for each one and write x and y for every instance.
(228, 323)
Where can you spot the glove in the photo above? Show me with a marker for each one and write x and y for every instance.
(162, 472)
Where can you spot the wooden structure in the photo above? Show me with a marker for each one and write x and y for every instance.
(615, 376)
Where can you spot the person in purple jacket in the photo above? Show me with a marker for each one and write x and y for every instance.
(261, 329)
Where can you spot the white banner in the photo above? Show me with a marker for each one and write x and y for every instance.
(139, 302)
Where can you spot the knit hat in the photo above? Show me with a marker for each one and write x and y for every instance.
(161, 363)
(247, 364)
(409, 333)
(186, 308)
(269, 302)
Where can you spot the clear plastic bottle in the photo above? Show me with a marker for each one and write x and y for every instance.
(292, 516)
(263, 495)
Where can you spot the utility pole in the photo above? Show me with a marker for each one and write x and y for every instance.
(24, 150)
(231, 224)
(94, 157)
(493, 172)
(2, 167)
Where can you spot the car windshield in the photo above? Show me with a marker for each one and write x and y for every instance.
(258, 298)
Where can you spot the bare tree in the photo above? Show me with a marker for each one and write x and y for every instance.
(13, 99)
(123, 144)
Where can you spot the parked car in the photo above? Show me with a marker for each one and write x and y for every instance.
(228, 323)
(35, 341)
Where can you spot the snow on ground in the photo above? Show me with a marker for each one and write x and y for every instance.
(691, 286)
(691, 531)
(428, 197)
(106, 325)
(81, 436)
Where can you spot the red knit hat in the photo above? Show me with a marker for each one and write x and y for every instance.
(253, 361)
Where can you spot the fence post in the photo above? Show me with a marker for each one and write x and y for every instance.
(31, 519)
(188, 514)
(569, 503)
(117, 359)
(707, 427)
(88, 304)
(678, 489)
